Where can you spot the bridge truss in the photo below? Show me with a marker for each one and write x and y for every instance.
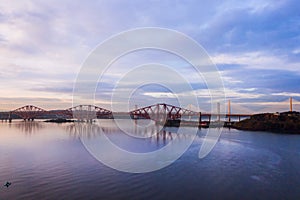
(89, 112)
(80, 112)
(162, 112)
(29, 112)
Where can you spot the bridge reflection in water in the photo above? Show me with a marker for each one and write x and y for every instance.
(30, 127)
(144, 130)
(147, 131)
(78, 130)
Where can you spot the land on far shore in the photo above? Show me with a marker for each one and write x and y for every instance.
(286, 122)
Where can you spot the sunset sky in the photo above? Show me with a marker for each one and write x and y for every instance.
(255, 45)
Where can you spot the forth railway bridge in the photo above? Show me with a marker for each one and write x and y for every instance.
(160, 113)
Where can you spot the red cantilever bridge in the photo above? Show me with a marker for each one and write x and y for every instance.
(81, 112)
(156, 112)
(163, 112)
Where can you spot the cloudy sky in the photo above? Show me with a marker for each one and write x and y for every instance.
(255, 45)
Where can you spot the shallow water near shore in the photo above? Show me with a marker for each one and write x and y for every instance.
(49, 161)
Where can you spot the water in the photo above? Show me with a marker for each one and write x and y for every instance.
(49, 161)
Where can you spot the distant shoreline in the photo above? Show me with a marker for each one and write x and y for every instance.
(285, 123)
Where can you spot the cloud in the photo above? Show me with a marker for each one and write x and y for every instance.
(287, 94)
(257, 60)
(11, 103)
(253, 25)
(255, 45)
(160, 94)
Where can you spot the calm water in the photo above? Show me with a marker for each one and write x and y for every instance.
(49, 161)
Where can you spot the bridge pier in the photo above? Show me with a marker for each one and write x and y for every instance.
(200, 120)
(229, 111)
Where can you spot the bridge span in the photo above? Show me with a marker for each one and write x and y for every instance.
(80, 112)
(166, 113)
(161, 113)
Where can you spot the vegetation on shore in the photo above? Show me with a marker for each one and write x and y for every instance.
(286, 122)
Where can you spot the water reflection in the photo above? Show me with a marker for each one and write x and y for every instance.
(164, 136)
(152, 132)
(154, 135)
(89, 130)
(93, 130)
(29, 127)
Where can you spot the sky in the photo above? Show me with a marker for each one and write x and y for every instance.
(254, 44)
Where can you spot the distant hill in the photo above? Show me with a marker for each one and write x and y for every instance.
(286, 122)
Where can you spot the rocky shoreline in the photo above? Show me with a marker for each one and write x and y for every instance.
(286, 122)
